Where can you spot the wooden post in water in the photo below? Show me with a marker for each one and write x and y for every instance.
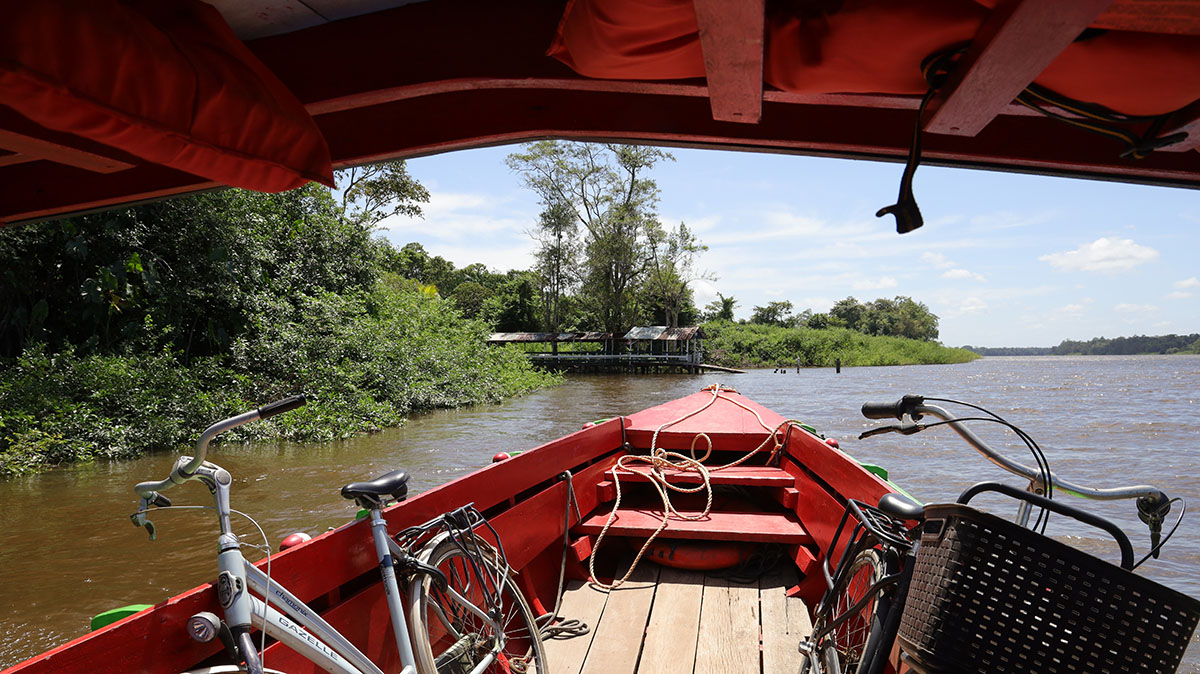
(837, 362)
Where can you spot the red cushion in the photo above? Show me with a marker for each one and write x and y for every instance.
(636, 40)
(867, 46)
(871, 46)
(165, 81)
(1133, 73)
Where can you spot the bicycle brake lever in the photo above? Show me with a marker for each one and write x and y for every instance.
(139, 518)
(878, 430)
(903, 429)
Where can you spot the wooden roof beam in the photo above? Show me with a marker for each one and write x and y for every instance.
(1015, 44)
(30, 149)
(731, 37)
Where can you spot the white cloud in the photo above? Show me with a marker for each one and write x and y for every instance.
(452, 216)
(1179, 295)
(703, 292)
(967, 306)
(875, 284)
(1104, 254)
(1192, 282)
(964, 274)
(936, 260)
(1072, 310)
(1134, 308)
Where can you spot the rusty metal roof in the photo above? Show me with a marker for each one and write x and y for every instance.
(505, 337)
(662, 332)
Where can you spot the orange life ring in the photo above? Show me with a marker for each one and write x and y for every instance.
(698, 555)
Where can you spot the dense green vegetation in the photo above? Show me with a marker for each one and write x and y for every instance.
(130, 331)
(1102, 346)
(757, 345)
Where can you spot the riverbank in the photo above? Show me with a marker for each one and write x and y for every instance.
(376, 359)
(755, 345)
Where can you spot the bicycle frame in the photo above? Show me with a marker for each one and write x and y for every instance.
(290, 621)
(281, 614)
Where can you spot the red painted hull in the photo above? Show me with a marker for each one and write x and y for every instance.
(525, 500)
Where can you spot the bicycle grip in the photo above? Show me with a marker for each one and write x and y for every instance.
(281, 406)
(881, 410)
(895, 410)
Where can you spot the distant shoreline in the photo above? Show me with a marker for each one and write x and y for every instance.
(1138, 345)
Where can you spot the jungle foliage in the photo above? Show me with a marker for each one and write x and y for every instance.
(129, 331)
(759, 345)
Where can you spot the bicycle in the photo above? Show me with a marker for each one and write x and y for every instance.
(462, 612)
(856, 623)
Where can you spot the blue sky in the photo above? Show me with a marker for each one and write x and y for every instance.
(1003, 259)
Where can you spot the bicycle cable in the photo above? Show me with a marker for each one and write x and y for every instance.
(1038, 455)
(264, 548)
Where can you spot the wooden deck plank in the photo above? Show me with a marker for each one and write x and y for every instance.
(622, 626)
(580, 602)
(670, 646)
(729, 628)
(785, 621)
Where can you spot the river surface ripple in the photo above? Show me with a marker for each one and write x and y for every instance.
(67, 550)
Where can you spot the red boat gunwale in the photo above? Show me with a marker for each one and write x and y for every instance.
(525, 500)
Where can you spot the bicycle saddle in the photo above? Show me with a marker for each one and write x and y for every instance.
(901, 506)
(394, 483)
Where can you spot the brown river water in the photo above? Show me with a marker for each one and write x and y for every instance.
(68, 551)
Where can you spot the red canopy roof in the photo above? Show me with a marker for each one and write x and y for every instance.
(824, 77)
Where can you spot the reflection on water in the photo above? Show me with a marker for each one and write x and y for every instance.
(67, 550)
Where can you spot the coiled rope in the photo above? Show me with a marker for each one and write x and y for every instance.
(660, 459)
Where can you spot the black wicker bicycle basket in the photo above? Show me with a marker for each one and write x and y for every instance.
(990, 596)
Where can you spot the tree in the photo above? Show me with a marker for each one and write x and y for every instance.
(414, 262)
(470, 298)
(373, 192)
(557, 263)
(775, 313)
(673, 256)
(849, 312)
(514, 306)
(720, 309)
(607, 188)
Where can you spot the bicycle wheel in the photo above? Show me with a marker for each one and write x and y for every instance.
(849, 639)
(450, 639)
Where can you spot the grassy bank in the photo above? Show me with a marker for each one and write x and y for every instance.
(752, 345)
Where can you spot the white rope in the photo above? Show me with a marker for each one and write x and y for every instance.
(660, 459)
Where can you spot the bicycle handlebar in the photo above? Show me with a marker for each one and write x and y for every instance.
(914, 408)
(186, 467)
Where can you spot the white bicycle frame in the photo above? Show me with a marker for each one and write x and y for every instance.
(305, 632)
(280, 613)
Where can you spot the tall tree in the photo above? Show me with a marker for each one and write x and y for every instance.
(775, 313)
(557, 263)
(613, 199)
(672, 269)
(720, 309)
(373, 192)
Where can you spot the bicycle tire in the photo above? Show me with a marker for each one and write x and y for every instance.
(849, 639)
(438, 649)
